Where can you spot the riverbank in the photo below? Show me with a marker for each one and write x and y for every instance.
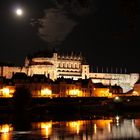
(73, 105)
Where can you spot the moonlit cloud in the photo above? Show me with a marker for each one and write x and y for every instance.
(60, 20)
(55, 26)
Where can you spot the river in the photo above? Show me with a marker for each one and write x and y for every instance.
(93, 127)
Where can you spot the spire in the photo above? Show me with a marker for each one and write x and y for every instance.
(106, 69)
(111, 70)
(116, 70)
(97, 69)
(80, 55)
(71, 55)
(125, 70)
(102, 70)
(121, 70)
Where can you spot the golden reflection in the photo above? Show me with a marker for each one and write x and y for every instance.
(5, 136)
(102, 123)
(117, 120)
(95, 128)
(46, 128)
(109, 128)
(5, 128)
(4, 131)
(75, 126)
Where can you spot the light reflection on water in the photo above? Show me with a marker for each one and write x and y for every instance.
(96, 129)
(5, 131)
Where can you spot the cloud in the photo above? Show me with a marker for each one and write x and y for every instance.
(55, 26)
(59, 21)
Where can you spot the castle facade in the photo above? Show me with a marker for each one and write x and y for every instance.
(69, 66)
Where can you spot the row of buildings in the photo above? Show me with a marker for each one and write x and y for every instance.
(42, 86)
(54, 66)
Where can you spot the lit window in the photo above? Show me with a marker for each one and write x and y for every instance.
(6, 92)
(46, 92)
(75, 92)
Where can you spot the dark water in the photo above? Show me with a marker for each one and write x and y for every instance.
(96, 128)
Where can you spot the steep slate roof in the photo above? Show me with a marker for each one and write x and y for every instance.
(66, 80)
(100, 85)
(84, 82)
(40, 77)
(40, 63)
(44, 53)
(19, 75)
(116, 87)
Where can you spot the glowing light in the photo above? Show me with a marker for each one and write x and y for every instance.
(19, 12)
(46, 92)
(46, 128)
(103, 92)
(117, 99)
(75, 126)
(117, 120)
(109, 128)
(75, 92)
(102, 123)
(95, 128)
(5, 128)
(46, 125)
(135, 93)
(7, 92)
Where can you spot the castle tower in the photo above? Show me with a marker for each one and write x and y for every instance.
(85, 71)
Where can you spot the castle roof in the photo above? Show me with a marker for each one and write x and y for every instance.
(43, 53)
(19, 75)
(40, 63)
(40, 78)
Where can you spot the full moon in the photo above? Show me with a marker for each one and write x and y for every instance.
(19, 12)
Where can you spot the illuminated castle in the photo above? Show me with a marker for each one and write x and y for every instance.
(68, 66)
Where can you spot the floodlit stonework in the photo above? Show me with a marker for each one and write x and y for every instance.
(69, 66)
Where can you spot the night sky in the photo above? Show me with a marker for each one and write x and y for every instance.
(107, 32)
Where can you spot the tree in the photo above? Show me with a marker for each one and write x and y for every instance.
(22, 99)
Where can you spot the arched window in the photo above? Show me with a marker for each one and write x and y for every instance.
(71, 65)
(61, 65)
(75, 65)
(68, 65)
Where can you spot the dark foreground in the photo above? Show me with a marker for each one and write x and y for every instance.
(70, 118)
(71, 105)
